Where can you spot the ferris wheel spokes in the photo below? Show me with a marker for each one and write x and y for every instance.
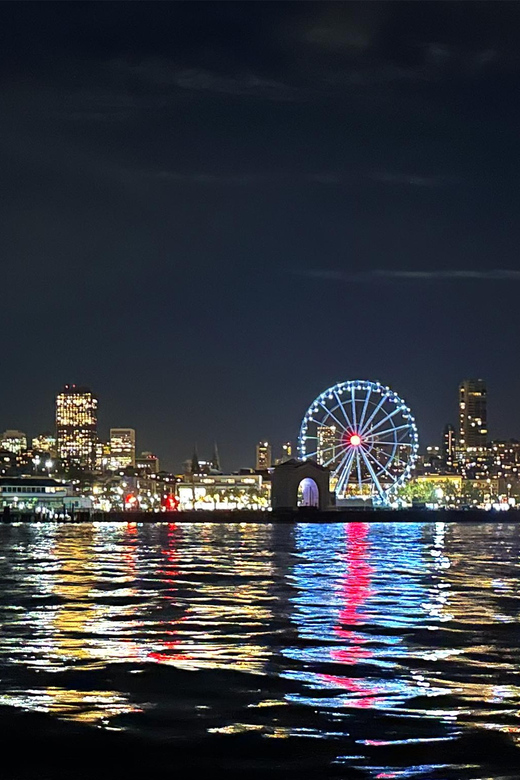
(330, 414)
(364, 411)
(373, 451)
(373, 474)
(381, 466)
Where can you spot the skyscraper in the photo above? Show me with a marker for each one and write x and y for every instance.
(472, 415)
(76, 426)
(327, 443)
(263, 456)
(122, 447)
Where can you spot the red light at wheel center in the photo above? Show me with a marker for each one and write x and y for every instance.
(355, 440)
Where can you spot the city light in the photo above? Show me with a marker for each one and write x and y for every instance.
(360, 432)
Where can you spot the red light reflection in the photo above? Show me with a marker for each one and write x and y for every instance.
(170, 574)
(354, 592)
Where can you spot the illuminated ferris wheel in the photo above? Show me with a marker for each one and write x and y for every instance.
(366, 435)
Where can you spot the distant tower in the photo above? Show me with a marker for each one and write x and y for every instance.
(122, 447)
(263, 456)
(449, 446)
(327, 444)
(472, 415)
(195, 466)
(215, 459)
(76, 426)
(286, 451)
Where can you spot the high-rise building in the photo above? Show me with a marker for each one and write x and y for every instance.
(449, 443)
(472, 415)
(13, 441)
(327, 444)
(122, 448)
(76, 426)
(263, 456)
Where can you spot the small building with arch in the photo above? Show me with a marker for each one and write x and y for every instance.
(300, 483)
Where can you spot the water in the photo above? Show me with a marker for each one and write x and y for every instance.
(377, 651)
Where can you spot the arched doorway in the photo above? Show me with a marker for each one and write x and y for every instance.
(308, 493)
(300, 483)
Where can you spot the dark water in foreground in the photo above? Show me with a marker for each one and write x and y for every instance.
(377, 651)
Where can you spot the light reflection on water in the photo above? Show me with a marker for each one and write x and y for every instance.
(384, 633)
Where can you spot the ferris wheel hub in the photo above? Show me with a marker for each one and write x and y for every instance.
(355, 440)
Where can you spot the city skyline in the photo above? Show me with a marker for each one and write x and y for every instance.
(259, 420)
(275, 447)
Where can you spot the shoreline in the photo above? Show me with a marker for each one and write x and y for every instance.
(254, 517)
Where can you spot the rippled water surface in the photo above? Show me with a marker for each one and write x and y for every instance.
(378, 651)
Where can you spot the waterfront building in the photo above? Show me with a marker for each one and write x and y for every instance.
(39, 494)
(76, 426)
(13, 441)
(223, 491)
(263, 456)
(472, 416)
(455, 481)
(122, 448)
(44, 442)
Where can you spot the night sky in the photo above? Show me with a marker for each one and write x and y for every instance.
(211, 212)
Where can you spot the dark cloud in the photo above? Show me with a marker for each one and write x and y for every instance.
(412, 179)
(164, 73)
(494, 275)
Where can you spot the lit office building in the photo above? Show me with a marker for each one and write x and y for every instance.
(263, 456)
(13, 441)
(327, 444)
(102, 456)
(472, 415)
(148, 463)
(45, 442)
(122, 448)
(76, 426)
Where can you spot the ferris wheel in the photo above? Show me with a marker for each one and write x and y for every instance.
(366, 435)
